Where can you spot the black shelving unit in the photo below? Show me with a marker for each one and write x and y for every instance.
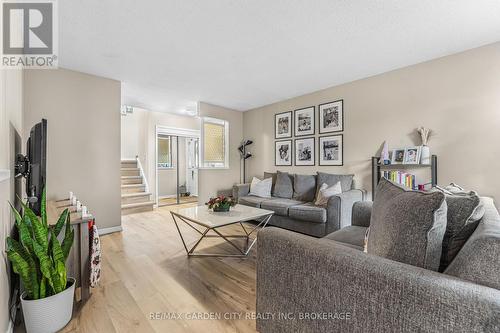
(377, 168)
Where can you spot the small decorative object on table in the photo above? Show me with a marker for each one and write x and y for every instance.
(425, 153)
(221, 203)
(384, 155)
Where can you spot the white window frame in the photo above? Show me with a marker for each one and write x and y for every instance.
(225, 123)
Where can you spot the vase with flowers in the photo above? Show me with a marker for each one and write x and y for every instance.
(221, 203)
(425, 153)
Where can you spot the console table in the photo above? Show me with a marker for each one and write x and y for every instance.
(78, 264)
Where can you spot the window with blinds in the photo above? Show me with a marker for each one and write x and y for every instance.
(164, 152)
(215, 143)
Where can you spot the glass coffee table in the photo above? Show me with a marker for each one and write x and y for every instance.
(208, 223)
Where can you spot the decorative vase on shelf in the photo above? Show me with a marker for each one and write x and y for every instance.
(384, 155)
(425, 155)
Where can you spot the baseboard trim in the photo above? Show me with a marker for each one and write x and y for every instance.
(104, 231)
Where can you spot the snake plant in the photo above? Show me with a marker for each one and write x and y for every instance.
(38, 257)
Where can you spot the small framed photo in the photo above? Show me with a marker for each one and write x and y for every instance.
(331, 150)
(283, 153)
(331, 117)
(305, 152)
(283, 125)
(412, 155)
(304, 121)
(398, 156)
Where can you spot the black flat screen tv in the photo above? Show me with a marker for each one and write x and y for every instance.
(33, 166)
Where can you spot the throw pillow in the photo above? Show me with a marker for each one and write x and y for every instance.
(332, 179)
(261, 188)
(465, 210)
(365, 245)
(273, 176)
(325, 192)
(284, 186)
(304, 187)
(407, 226)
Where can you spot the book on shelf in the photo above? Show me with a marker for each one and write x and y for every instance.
(402, 178)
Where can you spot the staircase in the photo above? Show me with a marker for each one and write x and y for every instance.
(135, 195)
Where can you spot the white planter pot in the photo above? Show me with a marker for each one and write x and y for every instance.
(425, 155)
(49, 314)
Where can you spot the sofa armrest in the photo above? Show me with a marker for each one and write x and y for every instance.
(361, 213)
(339, 209)
(478, 260)
(240, 190)
(347, 290)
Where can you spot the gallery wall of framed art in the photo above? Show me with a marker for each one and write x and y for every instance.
(299, 126)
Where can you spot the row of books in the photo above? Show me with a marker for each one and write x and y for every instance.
(402, 178)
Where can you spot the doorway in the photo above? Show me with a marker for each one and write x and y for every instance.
(177, 161)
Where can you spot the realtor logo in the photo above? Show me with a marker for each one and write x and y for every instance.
(29, 34)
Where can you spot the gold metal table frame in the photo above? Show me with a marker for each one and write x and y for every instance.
(242, 252)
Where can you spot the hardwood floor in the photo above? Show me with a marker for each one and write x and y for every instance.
(146, 273)
(173, 201)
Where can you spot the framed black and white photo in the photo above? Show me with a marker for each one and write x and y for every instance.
(304, 121)
(283, 153)
(331, 117)
(331, 150)
(398, 156)
(283, 125)
(305, 152)
(412, 155)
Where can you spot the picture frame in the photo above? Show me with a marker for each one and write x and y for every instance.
(304, 122)
(412, 155)
(331, 117)
(331, 150)
(305, 152)
(283, 153)
(398, 156)
(283, 124)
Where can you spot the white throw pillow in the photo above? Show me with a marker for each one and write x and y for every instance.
(326, 192)
(261, 188)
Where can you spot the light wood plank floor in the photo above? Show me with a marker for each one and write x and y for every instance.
(145, 271)
(173, 201)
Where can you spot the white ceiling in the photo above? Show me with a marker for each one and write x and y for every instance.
(242, 54)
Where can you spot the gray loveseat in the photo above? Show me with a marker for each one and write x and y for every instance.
(294, 208)
(331, 285)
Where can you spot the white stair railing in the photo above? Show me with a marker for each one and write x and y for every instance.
(141, 172)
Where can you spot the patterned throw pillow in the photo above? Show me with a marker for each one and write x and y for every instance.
(261, 188)
(325, 192)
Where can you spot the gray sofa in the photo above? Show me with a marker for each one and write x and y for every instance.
(298, 213)
(331, 285)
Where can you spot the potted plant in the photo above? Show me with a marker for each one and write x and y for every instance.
(221, 203)
(40, 261)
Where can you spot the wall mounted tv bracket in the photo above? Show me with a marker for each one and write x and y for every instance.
(22, 169)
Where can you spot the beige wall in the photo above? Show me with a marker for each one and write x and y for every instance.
(83, 151)
(213, 180)
(458, 97)
(11, 104)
